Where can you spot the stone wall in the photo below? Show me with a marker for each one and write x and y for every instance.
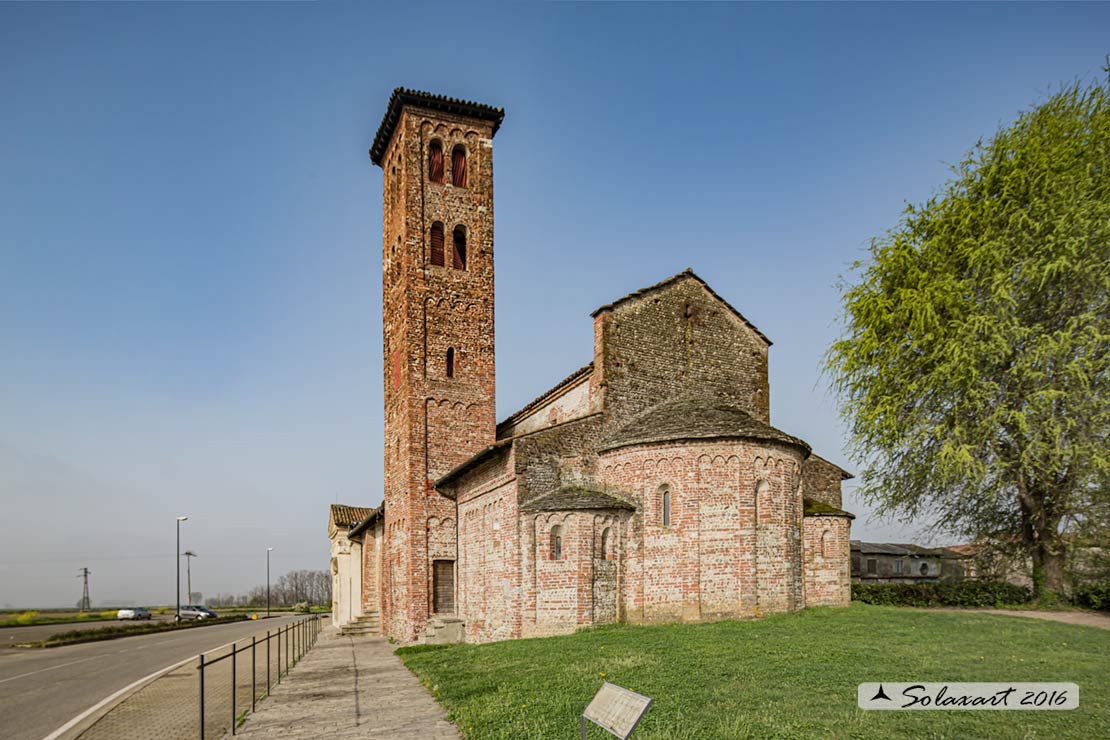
(828, 577)
(678, 339)
(821, 481)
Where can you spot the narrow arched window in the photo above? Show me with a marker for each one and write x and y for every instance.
(826, 544)
(437, 244)
(450, 362)
(458, 166)
(666, 506)
(435, 162)
(458, 253)
(606, 544)
(556, 543)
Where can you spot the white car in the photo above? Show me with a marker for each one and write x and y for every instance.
(137, 612)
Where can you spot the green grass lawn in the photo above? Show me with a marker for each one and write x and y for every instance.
(786, 676)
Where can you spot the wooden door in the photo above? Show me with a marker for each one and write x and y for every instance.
(443, 586)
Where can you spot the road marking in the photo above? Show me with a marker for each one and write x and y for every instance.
(73, 722)
(43, 670)
(79, 718)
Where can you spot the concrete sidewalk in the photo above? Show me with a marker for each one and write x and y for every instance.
(345, 688)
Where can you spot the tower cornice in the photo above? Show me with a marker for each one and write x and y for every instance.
(441, 103)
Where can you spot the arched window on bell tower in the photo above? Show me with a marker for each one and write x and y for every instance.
(437, 256)
(458, 166)
(458, 252)
(435, 161)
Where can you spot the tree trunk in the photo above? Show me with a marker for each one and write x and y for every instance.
(1053, 560)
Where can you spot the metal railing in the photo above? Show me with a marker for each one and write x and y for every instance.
(298, 637)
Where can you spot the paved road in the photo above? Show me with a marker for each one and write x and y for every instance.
(11, 635)
(41, 690)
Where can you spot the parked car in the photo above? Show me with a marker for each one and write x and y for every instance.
(134, 612)
(194, 611)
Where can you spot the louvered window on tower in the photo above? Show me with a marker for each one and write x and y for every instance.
(437, 244)
(435, 162)
(458, 254)
(458, 167)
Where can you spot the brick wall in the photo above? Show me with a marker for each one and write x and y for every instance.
(728, 552)
(488, 588)
(433, 422)
(828, 578)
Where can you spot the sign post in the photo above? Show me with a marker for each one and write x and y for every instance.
(616, 710)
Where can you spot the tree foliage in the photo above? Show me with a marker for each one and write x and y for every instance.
(975, 361)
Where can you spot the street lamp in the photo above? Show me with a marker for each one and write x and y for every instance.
(268, 551)
(177, 616)
(189, 555)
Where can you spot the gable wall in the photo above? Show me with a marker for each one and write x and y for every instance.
(821, 481)
(679, 339)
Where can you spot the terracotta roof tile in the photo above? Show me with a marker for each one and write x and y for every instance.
(347, 516)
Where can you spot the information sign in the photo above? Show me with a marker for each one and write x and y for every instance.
(616, 710)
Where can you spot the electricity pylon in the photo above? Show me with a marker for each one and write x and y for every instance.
(85, 605)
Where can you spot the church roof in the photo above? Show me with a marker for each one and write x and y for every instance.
(374, 515)
(543, 397)
(813, 507)
(690, 417)
(687, 273)
(474, 461)
(347, 516)
(403, 96)
(576, 497)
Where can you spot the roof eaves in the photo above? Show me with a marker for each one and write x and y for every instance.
(403, 96)
(456, 472)
(593, 499)
(373, 516)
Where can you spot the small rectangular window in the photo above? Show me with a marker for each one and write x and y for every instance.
(898, 567)
(872, 566)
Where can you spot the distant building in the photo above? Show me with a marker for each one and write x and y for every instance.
(346, 562)
(883, 562)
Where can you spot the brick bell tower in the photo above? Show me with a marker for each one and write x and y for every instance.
(437, 292)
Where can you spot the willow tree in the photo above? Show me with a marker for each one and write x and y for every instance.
(974, 365)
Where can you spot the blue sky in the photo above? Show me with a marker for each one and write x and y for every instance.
(190, 318)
